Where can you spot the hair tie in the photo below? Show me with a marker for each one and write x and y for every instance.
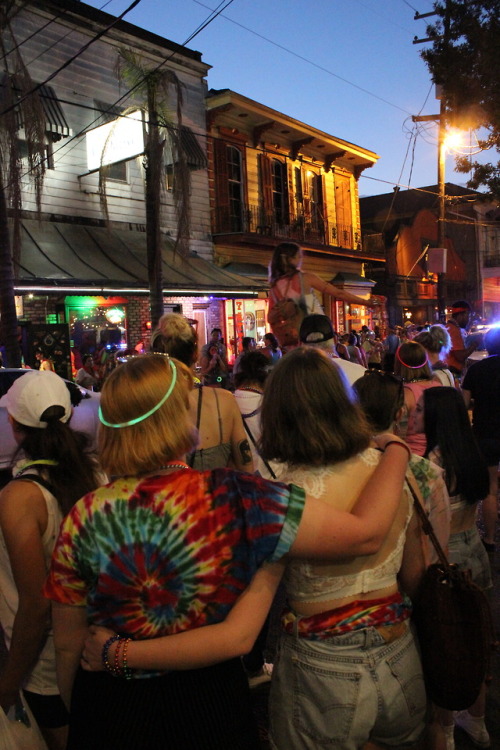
(411, 367)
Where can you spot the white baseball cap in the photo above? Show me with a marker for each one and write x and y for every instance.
(34, 392)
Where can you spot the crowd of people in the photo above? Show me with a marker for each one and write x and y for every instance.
(127, 625)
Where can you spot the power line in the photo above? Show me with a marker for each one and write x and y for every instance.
(42, 28)
(410, 6)
(213, 15)
(310, 62)
(70, 60)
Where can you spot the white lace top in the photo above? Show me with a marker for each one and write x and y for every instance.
(307, 581)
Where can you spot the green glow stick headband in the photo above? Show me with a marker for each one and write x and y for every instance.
(151, 411)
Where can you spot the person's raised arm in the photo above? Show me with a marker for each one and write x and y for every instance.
(200, 647)
(311, 279)
(331, 534)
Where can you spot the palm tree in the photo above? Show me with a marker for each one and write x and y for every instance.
(155, 86)
(19, 109)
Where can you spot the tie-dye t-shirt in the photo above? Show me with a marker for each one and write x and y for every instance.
(171, 552)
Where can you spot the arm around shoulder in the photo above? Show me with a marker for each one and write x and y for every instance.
(200, 647)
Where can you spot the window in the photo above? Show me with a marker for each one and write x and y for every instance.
(315, 200)
(117, 172)
(47, 150)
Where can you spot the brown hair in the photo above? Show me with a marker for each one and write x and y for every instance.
(308, 414)
(280, 262)
(411, 362)
(75, 472)
(131, 391)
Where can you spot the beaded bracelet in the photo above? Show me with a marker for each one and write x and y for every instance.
(399, 442)
(126, 671)
(105, 655)
(117, 672)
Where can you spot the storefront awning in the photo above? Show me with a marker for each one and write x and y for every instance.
(67, 257)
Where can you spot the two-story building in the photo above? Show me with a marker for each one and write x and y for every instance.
(273, 179)
(404, 225)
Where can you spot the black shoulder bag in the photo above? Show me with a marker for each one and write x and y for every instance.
(454, 626)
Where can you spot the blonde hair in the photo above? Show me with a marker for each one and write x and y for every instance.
(176, 337)
(132, 390)
(436, 339)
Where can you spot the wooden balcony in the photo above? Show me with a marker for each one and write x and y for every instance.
(302, 228)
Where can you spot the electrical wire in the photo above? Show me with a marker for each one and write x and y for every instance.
(42, 28)
(309, 62)
(70, 60)
(213, 15)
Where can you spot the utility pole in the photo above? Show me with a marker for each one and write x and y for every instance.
(441, 122)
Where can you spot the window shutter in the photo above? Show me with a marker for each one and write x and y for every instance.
(221, 186)
(266, 188)
(221, 175)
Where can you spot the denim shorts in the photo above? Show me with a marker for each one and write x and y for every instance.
(344, 691)
(466, 550)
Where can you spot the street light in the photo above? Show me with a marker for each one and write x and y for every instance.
(446, 141)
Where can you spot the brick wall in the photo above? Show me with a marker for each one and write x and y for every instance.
(37, 308)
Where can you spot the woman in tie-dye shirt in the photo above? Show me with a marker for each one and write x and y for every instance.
(164, 549)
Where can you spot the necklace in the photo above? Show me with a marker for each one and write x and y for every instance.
(40, 462)
(172, 465)
(248, 388)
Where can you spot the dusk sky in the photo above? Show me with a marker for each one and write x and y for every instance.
(348, 68)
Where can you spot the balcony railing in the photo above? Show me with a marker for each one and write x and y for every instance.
(302, 228)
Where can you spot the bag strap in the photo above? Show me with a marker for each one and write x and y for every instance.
(249, 433)
(426, 524)
(190, 459)
(285, 296)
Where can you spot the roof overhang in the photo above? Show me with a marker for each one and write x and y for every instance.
(234, 110)
(79, 258)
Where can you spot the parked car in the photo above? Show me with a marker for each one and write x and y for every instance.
(84, 418)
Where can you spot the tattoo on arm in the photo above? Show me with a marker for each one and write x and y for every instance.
(245, 452)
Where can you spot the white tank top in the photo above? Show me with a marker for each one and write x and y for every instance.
(42, 679)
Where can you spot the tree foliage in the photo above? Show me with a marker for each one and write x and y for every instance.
(465, 60)
(157, 88)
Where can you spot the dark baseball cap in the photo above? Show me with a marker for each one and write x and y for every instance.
(316, 328)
